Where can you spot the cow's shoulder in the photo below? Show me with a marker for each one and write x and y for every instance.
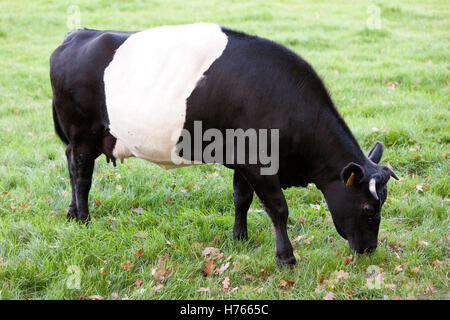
(85, 53)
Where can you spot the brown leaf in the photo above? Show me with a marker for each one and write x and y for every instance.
(348, 259)
(226, 283)
(96, 297)
(415, 270)
(398, 268)
(138, 283)
(209, 268)
(203, 290)
(139, 252)
(127, 265)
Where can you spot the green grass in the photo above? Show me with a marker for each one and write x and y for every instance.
(390, 85)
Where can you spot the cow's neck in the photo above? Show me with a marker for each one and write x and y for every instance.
(334, 147)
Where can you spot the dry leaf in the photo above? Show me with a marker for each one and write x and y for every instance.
(138, 283)
(137, 210)
(390, 286)
(96, 297)
(398, 268)
(115, 295)
(222, 268)
(226, 283)
(341, 274)
(127, 265)
(415, 270)
(348, 259)
(209, 268)
(139, 252)
(203, 290)
(329, 296)
(209, 250)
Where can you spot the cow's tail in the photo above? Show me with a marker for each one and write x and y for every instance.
(59, 131)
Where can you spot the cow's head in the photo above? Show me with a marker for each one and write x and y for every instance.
(355, 202)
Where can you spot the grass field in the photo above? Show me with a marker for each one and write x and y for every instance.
(386, 66)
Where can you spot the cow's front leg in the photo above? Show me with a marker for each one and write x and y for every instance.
(72, 212)
(84, 167)
(242, 196)
(268, 190)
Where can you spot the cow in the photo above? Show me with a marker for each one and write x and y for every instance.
(135, 93)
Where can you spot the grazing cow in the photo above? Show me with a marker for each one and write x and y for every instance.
(127, 94)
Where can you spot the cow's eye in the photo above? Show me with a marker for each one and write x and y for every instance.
(369, 209)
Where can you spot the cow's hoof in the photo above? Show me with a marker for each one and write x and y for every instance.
(84, 220)
(71, 213)
(242, 235)
(288, 262)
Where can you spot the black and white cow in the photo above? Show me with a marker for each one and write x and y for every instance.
(127, 94)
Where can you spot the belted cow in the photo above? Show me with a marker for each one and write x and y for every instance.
(141, 94)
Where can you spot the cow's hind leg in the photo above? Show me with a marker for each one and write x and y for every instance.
(72, 212)
(268, 189)
(83, 160)
(242, 196)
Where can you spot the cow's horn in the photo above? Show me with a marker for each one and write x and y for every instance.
(393, 175)
(373, 188)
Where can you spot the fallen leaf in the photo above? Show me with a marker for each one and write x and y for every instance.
(226, 283)
(222, 268)
(398, 268)
(348, 259)
(209, 268)
(203, 290)
(415, 270)
(390, 286)
(209, 250)
(115, 295)
(138, 283)
(329, 296)
(137, 210)
(158, 287)
(127, 265)
(96, 297)
(341, 274)
(139, 252)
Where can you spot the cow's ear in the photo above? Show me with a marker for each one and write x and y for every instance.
(376, 152)
(352, 173)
